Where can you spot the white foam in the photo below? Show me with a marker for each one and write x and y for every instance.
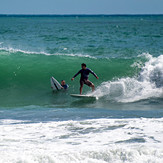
(148, 84)
(97, 140)
(12, 50)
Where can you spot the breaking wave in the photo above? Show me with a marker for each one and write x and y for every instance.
(148, 84)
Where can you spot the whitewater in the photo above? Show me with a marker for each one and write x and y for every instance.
(148, 84)
(103, 140)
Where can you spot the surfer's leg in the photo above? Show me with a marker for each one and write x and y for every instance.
(81, 86)
(93, 87)
(90, 84)
(81, 89)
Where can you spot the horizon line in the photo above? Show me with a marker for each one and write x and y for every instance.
(80, 15)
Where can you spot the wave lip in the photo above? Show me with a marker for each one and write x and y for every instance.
(148, 84)
(12, 50)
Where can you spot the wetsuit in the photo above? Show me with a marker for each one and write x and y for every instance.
(84, 76)
(65, 86)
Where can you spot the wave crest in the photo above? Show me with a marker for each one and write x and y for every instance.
(12, 50)
(148, 84)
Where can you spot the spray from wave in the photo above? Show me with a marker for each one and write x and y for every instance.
(148, 84)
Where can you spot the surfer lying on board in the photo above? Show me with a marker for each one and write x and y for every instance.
(84, 77)
(64, 85)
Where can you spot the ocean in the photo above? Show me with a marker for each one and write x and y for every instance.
(124, 123)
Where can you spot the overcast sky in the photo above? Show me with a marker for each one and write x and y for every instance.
(81, 6)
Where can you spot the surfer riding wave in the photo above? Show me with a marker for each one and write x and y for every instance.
(84, 77)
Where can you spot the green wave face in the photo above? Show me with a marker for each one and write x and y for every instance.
(25, 77)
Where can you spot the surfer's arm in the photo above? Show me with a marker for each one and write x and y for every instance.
(77, 74)
(93, 73)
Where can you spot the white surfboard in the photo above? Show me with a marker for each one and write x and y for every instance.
(55, 85)
(83, 96)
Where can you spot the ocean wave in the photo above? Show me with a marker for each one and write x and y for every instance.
(12, 50)
(148, 84)
(23, 72)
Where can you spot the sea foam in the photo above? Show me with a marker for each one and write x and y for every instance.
(12, 50)
(148, 84)
(97, 140)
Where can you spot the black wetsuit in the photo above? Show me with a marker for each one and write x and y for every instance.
(84, 76)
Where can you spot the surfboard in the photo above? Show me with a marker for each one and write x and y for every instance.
(55, 85)
(83, 96)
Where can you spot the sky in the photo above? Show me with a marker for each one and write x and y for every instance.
(81, 6)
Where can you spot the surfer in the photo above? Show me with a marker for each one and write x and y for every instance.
(84, 77)
(64, 85)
